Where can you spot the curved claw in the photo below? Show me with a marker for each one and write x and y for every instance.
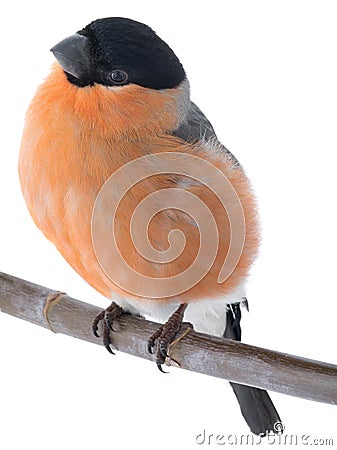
(94, 330)
(109, 349)
(161, 369)
(150, 348)
(95, 323)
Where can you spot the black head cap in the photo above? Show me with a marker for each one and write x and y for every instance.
(117, 51)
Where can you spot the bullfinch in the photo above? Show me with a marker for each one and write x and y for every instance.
(126, 176)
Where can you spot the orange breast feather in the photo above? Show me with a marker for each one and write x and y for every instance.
(74, 139)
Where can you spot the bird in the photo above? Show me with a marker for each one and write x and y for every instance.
(112, 139)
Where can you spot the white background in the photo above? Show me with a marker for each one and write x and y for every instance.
(265, 74)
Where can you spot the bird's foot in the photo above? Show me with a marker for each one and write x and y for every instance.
(167, 335)
(107, 316)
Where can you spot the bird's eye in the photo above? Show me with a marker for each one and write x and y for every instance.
(118, 76)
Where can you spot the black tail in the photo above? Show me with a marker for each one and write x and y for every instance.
(256, 405)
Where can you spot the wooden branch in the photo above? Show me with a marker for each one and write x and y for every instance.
(218, 357)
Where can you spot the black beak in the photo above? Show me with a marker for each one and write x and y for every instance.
(73, 55)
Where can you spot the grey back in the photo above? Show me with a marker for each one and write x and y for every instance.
(196, 127)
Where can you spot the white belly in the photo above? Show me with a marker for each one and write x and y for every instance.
(207, 315)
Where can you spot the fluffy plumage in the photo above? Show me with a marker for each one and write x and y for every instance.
(81, 127)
